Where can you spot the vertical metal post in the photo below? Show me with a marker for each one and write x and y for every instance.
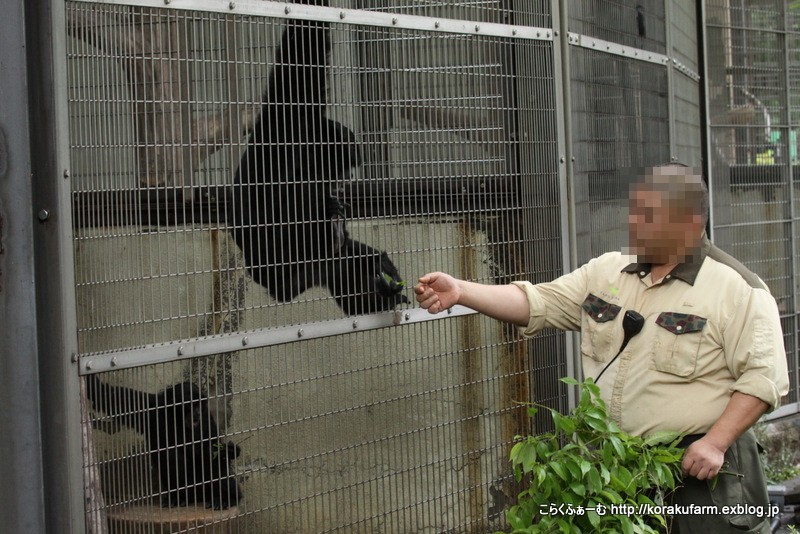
(20, 448)
(562, 77)
(668, 20)
(705, 113)
(54, 266)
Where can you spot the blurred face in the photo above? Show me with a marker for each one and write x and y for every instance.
(659, 233)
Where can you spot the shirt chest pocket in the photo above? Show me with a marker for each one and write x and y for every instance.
(677, 342)
(601, 330)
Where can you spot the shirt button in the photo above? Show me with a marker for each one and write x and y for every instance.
(599, 315)
(642, 273)
(679, 328)
(668, 276)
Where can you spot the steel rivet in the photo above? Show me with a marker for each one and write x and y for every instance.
(245, 341)
(554, 33)
(436, 24)
(408, 316)
(562, 159)
(66, 173)
(88, 365)
(287, 10)
(394, 20)
(477, 28)
(449, 311)
(300, 333)
(113, 362)
(341, 15)
(44, 215)
(167, 2)
(513, 32)
(538, 34)
(232, 5)
(180, 351)
(355, 324)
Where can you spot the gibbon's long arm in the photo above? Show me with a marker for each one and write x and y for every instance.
(291, 229)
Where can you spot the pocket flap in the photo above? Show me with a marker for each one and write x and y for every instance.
(600, 310)
(680, 323)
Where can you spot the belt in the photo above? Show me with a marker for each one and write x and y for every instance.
(689, 439)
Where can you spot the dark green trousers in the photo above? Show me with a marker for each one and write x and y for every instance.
(747, 496)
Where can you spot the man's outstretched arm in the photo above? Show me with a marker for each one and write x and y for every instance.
(437, 292)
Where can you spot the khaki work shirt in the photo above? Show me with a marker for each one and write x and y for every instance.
(711, 328)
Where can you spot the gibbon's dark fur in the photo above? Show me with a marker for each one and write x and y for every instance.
(288, 224)
(192, 463)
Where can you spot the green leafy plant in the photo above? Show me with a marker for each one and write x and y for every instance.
(589, 476)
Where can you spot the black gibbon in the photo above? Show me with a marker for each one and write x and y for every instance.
(191, 462)
(286, 220)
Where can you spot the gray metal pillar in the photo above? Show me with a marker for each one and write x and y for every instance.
(20, 448)
(51, 218)
(563, 79)
(669, 49)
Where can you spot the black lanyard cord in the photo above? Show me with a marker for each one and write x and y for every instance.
(632, 324)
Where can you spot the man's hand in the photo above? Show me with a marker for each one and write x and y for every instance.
(702, 460)
(437, 292)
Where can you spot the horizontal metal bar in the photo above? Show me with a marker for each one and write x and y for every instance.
(752, 223)
(609, 47)
(739, 27)
(592, 43)
(195, 348)
(685, 70)
(285, 10)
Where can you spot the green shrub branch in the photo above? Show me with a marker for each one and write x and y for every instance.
(585, 466)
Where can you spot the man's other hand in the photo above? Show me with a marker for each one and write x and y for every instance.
(702, 460)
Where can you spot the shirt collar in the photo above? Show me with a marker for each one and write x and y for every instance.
(686, 271)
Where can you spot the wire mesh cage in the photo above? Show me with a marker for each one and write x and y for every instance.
(620, 118)
(753, 139)
(240, 176)
(640, 25)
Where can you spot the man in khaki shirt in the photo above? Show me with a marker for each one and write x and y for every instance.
(709, 360)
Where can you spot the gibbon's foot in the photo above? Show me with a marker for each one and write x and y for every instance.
(223, 495)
